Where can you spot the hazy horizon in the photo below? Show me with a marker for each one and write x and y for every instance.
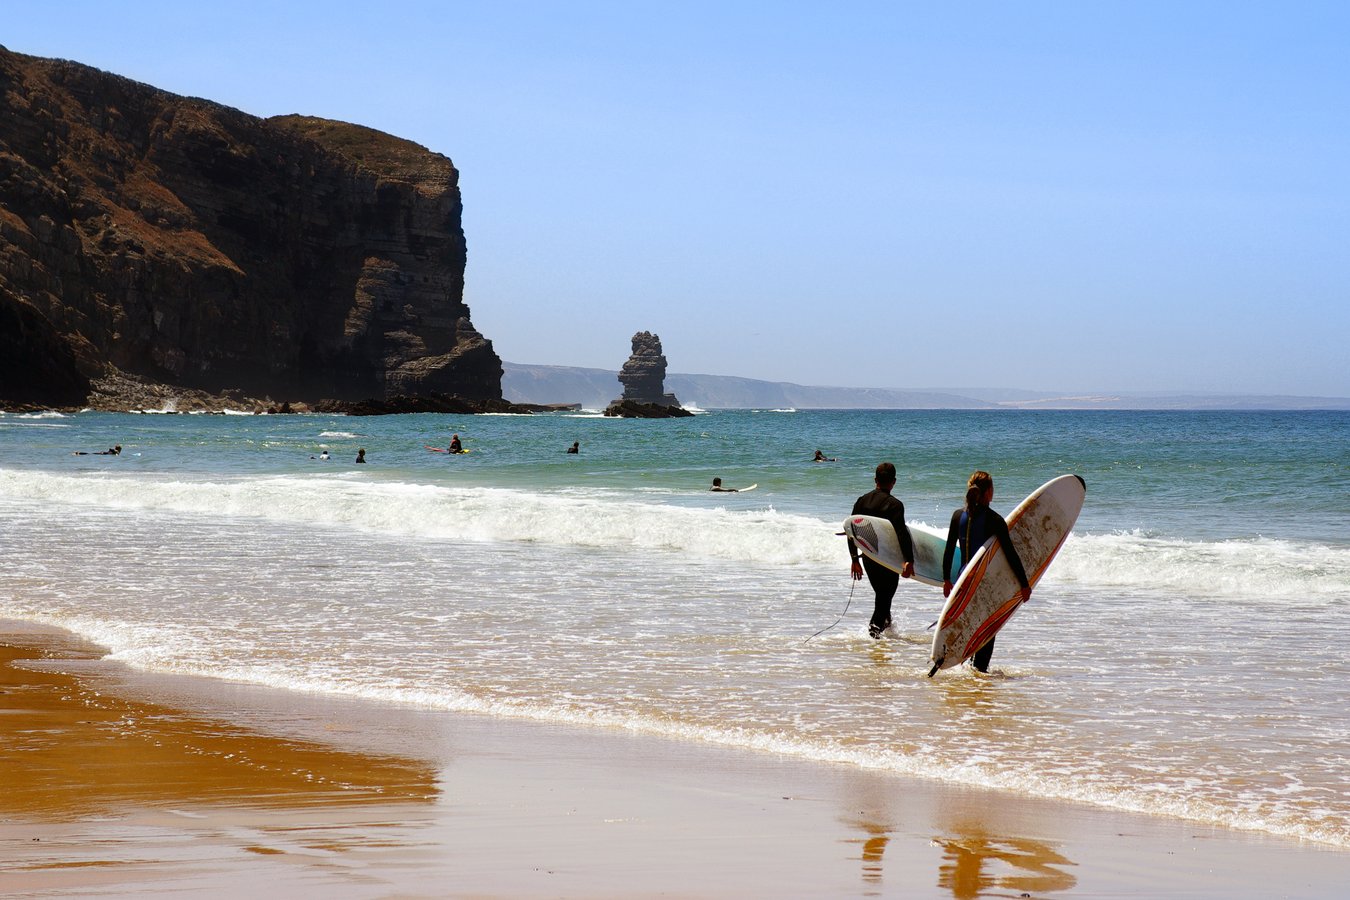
(678, 382)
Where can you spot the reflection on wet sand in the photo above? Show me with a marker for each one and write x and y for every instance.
(873, 848)
(69, 749)
(976, 863)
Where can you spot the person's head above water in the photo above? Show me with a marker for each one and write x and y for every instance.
(717, 482)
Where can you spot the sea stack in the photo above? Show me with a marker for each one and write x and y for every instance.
(644, 383)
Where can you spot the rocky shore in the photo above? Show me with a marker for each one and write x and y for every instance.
(120, 392)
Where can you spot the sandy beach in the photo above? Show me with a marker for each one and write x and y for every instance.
(120, 783)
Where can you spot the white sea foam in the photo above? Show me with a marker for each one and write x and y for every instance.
(1257, 569)
(161, 649)
(465, 514)
(46, 414)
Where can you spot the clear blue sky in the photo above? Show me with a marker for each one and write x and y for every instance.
(1065, 196)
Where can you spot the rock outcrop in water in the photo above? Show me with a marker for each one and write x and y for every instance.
(644, 383)
(180, 245)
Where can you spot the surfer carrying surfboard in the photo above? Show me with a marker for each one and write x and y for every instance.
(971, 526)
(884, 581)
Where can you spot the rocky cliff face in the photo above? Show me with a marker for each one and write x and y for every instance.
(190, 244)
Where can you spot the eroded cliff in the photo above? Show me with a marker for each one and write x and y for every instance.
(190, 244)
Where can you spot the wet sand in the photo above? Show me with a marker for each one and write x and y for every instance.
(118, 783)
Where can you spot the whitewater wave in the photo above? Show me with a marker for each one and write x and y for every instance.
(1249, 568)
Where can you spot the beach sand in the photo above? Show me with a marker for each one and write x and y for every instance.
(118, 783)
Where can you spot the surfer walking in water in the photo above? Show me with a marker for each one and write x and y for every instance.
(971, 526)
(884, 581)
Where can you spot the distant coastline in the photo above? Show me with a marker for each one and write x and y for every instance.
(595, 388)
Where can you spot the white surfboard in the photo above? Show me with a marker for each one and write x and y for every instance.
(876, 539)
(986, 595)
(734, 490)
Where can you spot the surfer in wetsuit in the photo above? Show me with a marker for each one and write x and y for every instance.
(971, 526)
(111, 451)
(884, 581)
(455, 445)
(575, 448)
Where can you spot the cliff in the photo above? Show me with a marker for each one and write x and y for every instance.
(184, 243)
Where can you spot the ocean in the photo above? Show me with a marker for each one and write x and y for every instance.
(1184, 656)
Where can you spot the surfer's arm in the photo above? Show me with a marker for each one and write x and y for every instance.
(896, 515)
(855, 568)
(1011, 553)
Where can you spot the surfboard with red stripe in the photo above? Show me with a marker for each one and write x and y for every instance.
(985, 597)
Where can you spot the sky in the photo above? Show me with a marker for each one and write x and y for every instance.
(1074, 197)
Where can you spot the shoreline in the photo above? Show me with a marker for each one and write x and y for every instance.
(126, 781)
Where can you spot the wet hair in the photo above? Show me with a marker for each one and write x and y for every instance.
(979, 483)
(886, 473)
(717, 482)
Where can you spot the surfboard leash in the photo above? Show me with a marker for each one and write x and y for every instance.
(851, 589)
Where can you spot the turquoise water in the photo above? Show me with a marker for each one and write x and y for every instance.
(1182, 657)
(1277, 474)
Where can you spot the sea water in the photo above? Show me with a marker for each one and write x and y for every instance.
(1184, 656)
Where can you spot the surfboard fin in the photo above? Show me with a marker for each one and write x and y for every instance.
(936, 665)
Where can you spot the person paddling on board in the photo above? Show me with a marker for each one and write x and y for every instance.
(884, 581)
(455, 445)
(717, 486)
(821, 457)
(971, 526)
(111, 451)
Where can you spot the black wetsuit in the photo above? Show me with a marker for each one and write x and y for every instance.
(883, 580)
(970, 532)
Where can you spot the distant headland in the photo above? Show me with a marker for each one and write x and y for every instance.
(524, 383)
